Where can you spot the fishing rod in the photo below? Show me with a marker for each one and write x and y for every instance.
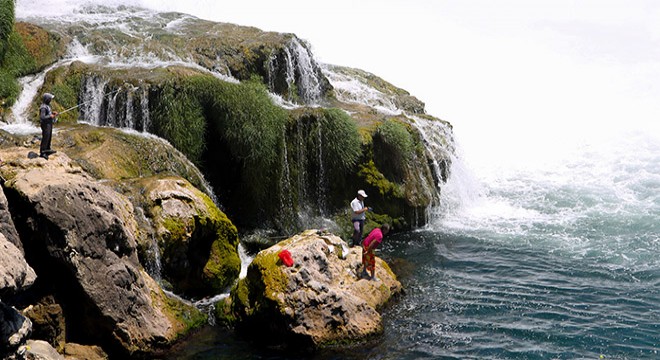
(83, 103)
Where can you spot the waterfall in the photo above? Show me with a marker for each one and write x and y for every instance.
(20, 120)
(286, 193)
(308, 80)
(300, 73)
(354, 89)
(439, 142)
(153, 265)
(91, 108)
(129, 122)
(322, 181)
(144, 107)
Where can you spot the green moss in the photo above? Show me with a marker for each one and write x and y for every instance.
(393, 149)
(65, 86)
(372, 176)
(223, 265)
(257, 293)
(223, 312)
(188, 317)
(176, 227)
(179, 117)
(270, 267)
(241, 295)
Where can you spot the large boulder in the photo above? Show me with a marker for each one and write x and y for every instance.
(317, 302)
(15, 273)
(81, 238)
(198, 243)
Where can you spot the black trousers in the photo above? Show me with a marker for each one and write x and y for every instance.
(358, 228)
(46, 135)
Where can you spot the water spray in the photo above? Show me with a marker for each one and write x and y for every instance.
(83, 103)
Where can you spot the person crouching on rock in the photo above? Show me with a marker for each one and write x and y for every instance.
(47, 117)
(370, 243)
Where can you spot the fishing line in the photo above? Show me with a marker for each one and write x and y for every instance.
(83, 103)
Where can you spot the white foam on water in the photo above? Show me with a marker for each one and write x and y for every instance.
(598, 199)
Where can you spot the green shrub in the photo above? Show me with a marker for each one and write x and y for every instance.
(341, 140)
(178, 117)
(252, 126)
(393, 149)
(9, 88)
(17, 60)
(6, 24)
(250, 122)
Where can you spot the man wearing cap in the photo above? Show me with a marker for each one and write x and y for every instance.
(358, 216)
(47, 117)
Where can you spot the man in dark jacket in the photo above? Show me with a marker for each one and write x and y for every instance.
(47, 117)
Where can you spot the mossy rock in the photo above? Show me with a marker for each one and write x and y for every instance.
(317, 302)
(117, 155)
(198, 243)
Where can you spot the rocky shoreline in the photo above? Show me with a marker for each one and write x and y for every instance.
(88, 283)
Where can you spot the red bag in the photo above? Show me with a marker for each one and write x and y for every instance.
(286, 258)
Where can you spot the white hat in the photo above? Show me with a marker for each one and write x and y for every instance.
(362, 193)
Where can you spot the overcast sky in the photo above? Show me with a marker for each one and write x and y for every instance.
(517, 70)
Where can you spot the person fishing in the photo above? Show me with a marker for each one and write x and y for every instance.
(46, 118)
(358, 216)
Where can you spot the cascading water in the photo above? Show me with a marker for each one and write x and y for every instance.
(441, 150)
(20, 120)
(93, 94)
(301, 73)
(354, 89)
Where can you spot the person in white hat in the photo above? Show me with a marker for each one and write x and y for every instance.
(358, 216)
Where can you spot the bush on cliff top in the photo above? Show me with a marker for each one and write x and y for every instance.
(6, 23)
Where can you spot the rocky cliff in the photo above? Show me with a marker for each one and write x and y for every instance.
(91, 241)
(276, 133)
(194, 132)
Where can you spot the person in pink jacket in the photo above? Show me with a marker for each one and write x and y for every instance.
(370, 243)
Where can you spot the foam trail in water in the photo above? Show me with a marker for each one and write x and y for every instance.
(602, 201)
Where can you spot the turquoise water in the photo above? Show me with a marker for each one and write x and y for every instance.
(469, 298)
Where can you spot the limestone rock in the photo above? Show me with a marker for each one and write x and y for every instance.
(83, 235)
(318, 301)
(198, 242)
(41, 350)
(7, 224)
(15, 273)
(81, 352)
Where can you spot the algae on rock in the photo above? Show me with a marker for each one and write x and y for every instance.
(319, 301)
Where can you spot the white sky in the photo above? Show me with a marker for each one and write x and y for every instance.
(509, 74)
